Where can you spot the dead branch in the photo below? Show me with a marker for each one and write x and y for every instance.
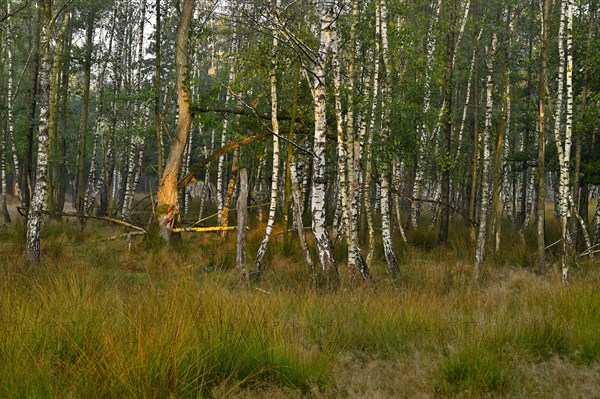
(187, 179)
(23, 211)
(203, 229)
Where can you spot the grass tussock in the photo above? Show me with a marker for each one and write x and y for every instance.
(110, 319)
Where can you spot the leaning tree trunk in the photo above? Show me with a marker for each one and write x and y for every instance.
(324, 246)
(167, 196)
(34, 215)
(485, 174)
(262, 250)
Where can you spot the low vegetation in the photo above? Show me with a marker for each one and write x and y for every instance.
(100, 319)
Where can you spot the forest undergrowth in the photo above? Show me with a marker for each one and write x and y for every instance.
(102, 318)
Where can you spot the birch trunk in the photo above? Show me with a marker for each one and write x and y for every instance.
(34, 215)
(579, 210)
(221, 164)
(485, 174)
(369, 140)
(423, 130)
(386, 230)
(53, 113)
(447, 130)
(355, 261)
(242, 213)
(136, 149)
(3, 208)
(9, 112)
(324, 246)
(262, 250)
(566, 150)
(27, 176)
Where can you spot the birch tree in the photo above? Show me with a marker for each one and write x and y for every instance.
(485, 174)
(326, 11)
(260, 256)
(388, 248)
(34, 214)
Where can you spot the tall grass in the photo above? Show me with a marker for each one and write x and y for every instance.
(100, 320)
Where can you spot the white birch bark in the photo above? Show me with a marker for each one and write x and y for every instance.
(262, 250)
(597, 222)
(463, 119)
(369, 141)
(386, 231)
(206, 183)
(34, 215)
(187, 157)
(137, 142)
(10, 116)
(423, 134)
(564, 150)
(485, 174)
(221, 164)
(99, 131)
(353, 158)
(327, 14)
(341, 145)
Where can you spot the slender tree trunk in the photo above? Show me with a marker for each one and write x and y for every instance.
(221, 164)
(423, 130)
(475, 154)
(34, 215)
(3, 208)
(500, 135)
(89, 43)
(262, 250)
(485, 174)
(242, 213)
(324, 247)
(356, 263)
(541, 183)
(168, 204)
(386, 230)
(53, 154)
(447, 130)
(578, 136)
(10, 138)
(27, 179)
(157, 88)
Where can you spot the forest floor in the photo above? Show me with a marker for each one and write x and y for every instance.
(100, 319)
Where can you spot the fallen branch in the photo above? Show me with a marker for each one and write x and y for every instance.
(187, 179)
(202, 229)
(78, 215)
